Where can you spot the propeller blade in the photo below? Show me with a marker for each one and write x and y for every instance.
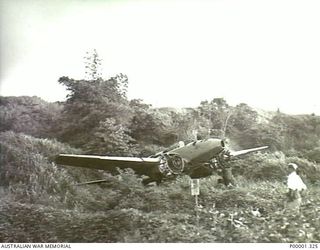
(246, 151)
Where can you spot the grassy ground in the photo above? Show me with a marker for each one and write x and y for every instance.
(40, 203)
(253, 212)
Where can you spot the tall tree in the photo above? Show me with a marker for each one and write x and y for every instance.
(92, 66)
(89, 103)
(110, 137)
(215, 114)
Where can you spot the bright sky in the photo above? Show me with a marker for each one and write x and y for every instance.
(265, 53)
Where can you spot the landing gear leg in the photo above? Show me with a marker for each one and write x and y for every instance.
(227, 176)
(226, 171)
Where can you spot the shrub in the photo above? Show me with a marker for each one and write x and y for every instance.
(27, 170)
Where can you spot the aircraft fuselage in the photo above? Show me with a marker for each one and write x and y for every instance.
(200, 151)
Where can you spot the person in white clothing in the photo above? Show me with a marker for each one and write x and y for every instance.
(294, 183)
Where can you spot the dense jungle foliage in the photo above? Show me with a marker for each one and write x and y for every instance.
(40, 201)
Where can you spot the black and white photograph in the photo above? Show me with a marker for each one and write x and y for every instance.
(149, 121)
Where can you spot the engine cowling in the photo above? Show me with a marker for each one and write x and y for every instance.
(171, 164)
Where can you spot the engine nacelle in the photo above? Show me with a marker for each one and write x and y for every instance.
(222, 158)
(171, 164)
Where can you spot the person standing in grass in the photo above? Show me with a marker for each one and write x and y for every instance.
(295, 185)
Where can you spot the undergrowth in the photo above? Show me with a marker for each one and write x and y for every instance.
(41, 203)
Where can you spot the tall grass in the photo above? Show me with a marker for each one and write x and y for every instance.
(40, 203)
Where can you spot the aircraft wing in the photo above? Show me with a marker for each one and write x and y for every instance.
(246, 151)
(139, 165)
